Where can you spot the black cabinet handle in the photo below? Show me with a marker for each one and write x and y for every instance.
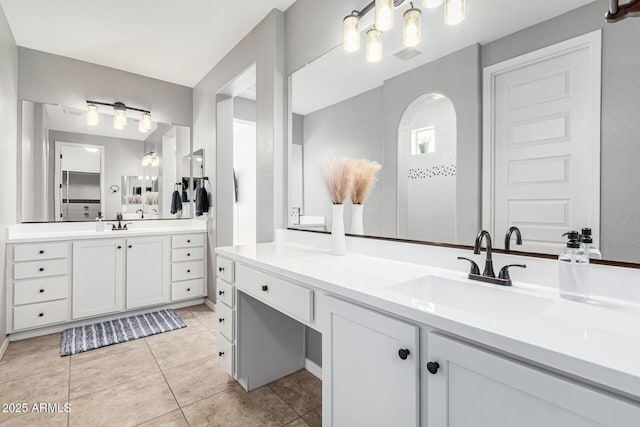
(220, 293)
(188, 289)
(188, 271)
(41, 269)
(130, 246)
(221, 320)
(188, 241)
(404, 353)
(265, 288)
(220, 269)
(42, 291)
(41, 252)
(221, 353)
(433, 367)
(41, 315)
(119, 247)
(188, 254)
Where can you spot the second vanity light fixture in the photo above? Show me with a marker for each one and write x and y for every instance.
(120, 115)
(454, 13)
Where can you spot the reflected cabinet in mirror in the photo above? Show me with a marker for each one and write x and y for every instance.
(79, 168)
(508, 119)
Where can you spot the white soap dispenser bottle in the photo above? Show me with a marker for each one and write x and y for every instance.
(574, 273)
(99, 223)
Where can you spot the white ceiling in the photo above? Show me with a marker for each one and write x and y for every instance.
(340, 75)
(172, 40)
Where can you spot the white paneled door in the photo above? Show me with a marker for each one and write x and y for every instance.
(542, 143)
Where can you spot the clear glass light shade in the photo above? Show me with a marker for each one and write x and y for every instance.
(144, 125)
(384, 15)
(146, 161)
(120, 119)
(374, 45)
(412, 32)
(155, 162)
(351, 26)
(93, 116)
(454, 11)
(432, 4)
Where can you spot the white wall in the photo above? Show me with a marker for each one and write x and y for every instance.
(244, 164)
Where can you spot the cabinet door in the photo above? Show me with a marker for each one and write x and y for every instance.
(98, 277)
(366, 382)
(476, 388)
(148, 271)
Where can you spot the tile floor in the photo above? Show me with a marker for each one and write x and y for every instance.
(170, 379)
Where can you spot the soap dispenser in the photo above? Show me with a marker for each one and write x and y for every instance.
(589, 247)
(574, 273)
(99, 223)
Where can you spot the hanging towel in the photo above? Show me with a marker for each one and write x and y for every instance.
(202, 201)
(176, 203)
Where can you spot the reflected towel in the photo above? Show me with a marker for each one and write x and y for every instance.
(202, 201)
(176, 203)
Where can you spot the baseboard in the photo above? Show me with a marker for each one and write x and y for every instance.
(4, 346)
(310, 366)
(209, 304)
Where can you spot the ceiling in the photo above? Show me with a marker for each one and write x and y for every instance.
(171, 40)
(340, 75)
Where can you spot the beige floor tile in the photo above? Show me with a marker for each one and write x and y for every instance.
(50, 387)
(106, 372)
(23, 365)
(301, 390)
(183, 349)
(194, 326)
(197, 380)
(297, 423)
(209, 320)
(127, 404)
(172, 419)
(109, 350)
(184, 313)
(314, 418)
(200, 308)
(34, 345)
(40, 419)
(235, 407)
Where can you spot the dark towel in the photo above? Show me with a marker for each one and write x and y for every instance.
(202, 201)
(176, 203)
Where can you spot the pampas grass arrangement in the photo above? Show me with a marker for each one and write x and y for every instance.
(338, 177)
(364, 179)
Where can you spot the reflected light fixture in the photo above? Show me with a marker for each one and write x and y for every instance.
(93, 116)
(351, 26)
(151, 159)
(432, 4)
(374, 45)
(412, 22)
(384, 14)
(454, 11)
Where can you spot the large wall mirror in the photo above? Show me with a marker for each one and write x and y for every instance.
(73, 171)
(510, 119)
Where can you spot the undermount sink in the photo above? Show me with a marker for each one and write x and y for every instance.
(471, 298)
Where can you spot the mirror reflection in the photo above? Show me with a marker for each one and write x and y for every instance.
(77, 167)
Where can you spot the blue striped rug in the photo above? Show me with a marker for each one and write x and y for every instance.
(90, 337)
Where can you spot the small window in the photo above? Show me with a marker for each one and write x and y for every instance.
(423, 140)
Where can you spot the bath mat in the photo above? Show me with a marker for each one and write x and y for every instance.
(90, 337)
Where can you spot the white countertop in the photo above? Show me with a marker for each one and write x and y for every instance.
(597, 341)
(51, 232)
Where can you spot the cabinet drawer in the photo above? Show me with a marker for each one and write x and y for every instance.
(44, 313)
(225, 320)
(224, 292)
(188, 254)
(188, 240)
(286, 296)
(44, 268)
(225, 354)
(187, 271)
(40, 251)
(187, 289)
(39, 290)
(224, 268)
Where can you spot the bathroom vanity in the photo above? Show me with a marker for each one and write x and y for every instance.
(68, 274)
(410, 345)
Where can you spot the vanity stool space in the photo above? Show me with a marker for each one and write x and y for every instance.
(77, 278)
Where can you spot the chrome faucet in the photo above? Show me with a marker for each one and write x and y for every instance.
(507, 238)
(141, 212)
(488, 265)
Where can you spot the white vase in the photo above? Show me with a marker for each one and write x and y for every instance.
(338, 240)
(357, 226)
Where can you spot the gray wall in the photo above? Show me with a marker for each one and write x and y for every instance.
(8, 143)
(620, 202)
(244, 109)
(264, 47)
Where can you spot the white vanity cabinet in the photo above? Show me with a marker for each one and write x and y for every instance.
(472, 387)
(226, 314)
(148, 268)
(370, 367)
(98, 277)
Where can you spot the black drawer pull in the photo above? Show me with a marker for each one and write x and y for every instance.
(221, 320)
(41, 315)
(188, 241)
(265, 288)
(41, 269)
(41, 252)
(220, 293)
(220, 269)
(188, 271)
(433, 367)
(403, 353)
(42, 291)
(221, 353)
(188, 289)
(188, 254)
(119, 247)
(130, 246)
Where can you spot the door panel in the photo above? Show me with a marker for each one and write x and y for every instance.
(148, 271)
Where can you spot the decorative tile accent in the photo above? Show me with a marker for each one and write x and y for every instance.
(432, 172)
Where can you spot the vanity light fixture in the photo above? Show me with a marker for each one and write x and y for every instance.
(93, 116)
(412, 22)
(454, 11)
(145, 123)
(120, 115)
(432, 4)
(384, 14)
(351, 26)
(374, 45)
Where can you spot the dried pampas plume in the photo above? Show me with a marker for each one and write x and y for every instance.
(364, 179)
(337, 177)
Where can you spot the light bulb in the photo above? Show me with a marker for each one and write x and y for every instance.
(145, 123)
(454, 12)
(145, 160)
(93, 116)
(431, 4)
(412, 32)
(374, 45)
(155, 162)
(384, 15)
(351, 26)
(120, 118)
(141, 127)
